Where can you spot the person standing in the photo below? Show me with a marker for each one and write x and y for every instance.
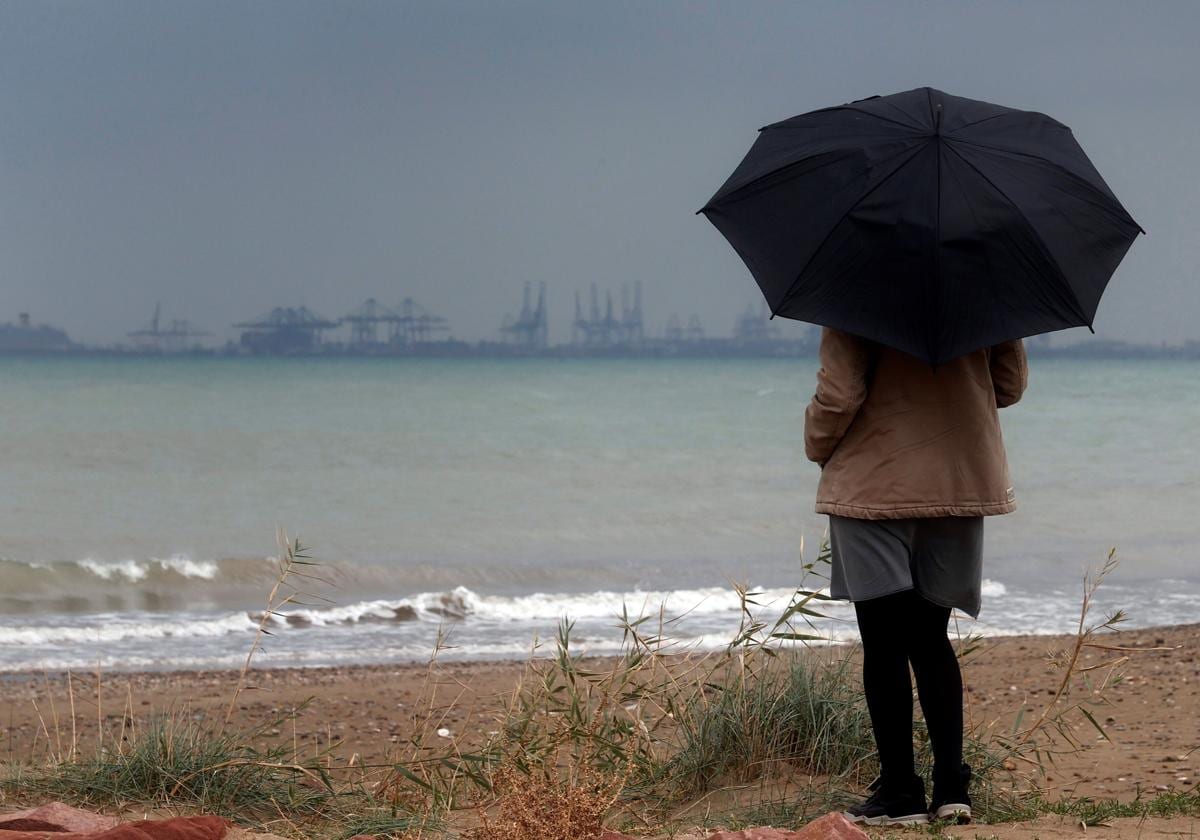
(912, 459)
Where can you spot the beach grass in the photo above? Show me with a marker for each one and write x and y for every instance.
(771, 729)
(177, 759)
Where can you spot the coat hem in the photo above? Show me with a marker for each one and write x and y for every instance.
(915, 511)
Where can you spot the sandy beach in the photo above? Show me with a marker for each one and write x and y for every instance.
(1152, 717)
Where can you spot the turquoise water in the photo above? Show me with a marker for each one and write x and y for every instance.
(136, 491)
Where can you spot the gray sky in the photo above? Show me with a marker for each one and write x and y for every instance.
(227, 157)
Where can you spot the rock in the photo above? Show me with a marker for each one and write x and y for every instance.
(176, 828)
(832, 826)
(56, 816)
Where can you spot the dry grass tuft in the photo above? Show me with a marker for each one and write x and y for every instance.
(543, 807)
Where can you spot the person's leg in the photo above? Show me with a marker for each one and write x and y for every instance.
(939, 683)
(882, 624)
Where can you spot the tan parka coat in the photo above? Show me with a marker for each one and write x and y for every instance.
(897, 438)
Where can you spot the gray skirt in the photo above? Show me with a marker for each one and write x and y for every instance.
(941, 557)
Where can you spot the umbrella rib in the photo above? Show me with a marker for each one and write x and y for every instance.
(792, 288)
(1109, 196)
(909, 126)
(983, 120)
(735, 193)
(966, 199)
(1062, 277)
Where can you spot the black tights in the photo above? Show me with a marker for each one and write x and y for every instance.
(897, 629)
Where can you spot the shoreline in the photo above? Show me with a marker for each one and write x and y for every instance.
(16, 675)
(1152, 717)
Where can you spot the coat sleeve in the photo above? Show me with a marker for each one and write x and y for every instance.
(841, 389)
(1010, 372)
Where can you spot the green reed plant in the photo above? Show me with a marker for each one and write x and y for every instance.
(293, 563)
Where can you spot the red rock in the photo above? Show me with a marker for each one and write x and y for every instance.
(178, 828)
(56, 816)
(832, 826)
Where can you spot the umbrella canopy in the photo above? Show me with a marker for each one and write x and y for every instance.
(924, 221)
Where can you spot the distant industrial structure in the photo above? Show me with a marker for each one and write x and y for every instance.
(24, 337)
(372, 325)
(676, 332)
(374, 328)
(608, 330)
(755, 326)
(284, 331)
(418, 325)
(601, 328)
(177, 337)
(531, 327)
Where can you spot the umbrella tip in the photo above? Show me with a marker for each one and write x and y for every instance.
(1092, 329)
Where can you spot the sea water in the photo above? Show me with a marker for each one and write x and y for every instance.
(494, 499)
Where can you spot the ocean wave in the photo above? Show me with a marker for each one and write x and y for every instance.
(127, 570)
(180, 582)
(463, 603)
(134, 571)
(480, 625)
(458, 604)
(112, 629)
(94, 584)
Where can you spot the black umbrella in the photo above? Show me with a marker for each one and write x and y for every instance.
(927, 222)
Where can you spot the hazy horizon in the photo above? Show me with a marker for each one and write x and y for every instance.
(224, 158)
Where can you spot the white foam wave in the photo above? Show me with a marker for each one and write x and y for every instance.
(348, 614)
(189, 568)
(112, 629)
(606, 603)
(462, 602)
(134, 572)
(993, 588)
(131, 570)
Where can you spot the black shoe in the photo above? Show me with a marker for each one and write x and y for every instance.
(951, 801)
(899, 804)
